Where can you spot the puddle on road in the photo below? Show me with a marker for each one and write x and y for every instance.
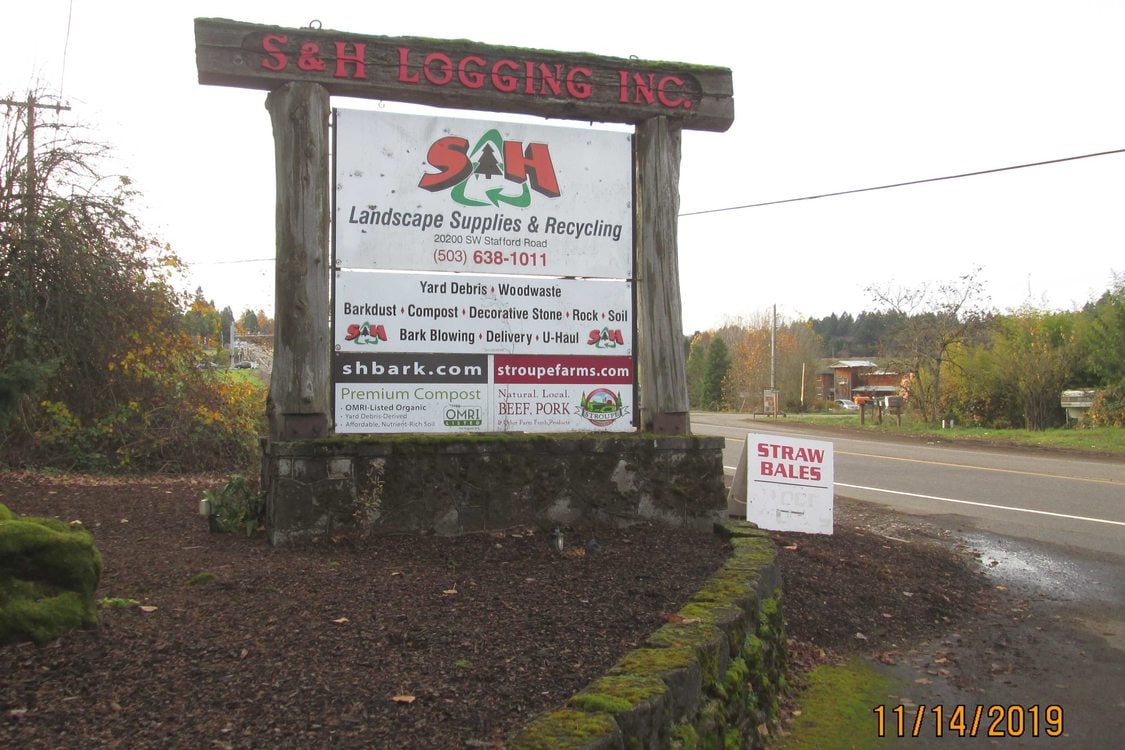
(1049, 573)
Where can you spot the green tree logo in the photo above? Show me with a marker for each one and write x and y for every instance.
(468, 172)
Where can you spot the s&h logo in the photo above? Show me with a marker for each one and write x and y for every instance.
(601, 407)
(461, 169)
(606, 338)
(366, 333)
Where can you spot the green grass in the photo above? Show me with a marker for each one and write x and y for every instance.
(837, 708)
(1108, 440)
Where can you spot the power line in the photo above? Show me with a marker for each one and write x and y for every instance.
(820, 195)
(229, 262)
(905, 184)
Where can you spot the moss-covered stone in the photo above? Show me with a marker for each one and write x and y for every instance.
(706, 639)
(570, 730)
(614, 694)
(683, 737)
(721, 663)
(48, 573)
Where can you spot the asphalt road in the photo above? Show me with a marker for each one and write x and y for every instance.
(1046, 497)
(1048, 529)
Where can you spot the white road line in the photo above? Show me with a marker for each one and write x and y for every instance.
(1021, 472)
(983, 505)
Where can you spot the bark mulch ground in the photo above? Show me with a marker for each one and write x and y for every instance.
(402, 642)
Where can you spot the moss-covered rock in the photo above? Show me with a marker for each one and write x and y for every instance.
(560, 730)
(48, 574)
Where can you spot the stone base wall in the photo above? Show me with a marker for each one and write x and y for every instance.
(453, 485)
(710, 680)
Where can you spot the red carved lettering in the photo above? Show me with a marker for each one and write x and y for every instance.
(528, 77)
(505, 83)
(277, 59)
(550, 79)
(355, 57)
(449, 155)
(533, 164)
(308, 59)
(644, 88)
(444, 72)
(578, 83)
(404, 74)
(471, 79)
(663, 88)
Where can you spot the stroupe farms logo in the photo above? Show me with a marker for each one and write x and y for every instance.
(601, 407)
(469, 172)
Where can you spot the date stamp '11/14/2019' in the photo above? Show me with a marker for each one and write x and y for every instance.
(970, 721)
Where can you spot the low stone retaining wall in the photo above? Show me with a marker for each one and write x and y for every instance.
(710, 680)
(457, 484)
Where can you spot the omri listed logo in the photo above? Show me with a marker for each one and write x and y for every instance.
(470, 172)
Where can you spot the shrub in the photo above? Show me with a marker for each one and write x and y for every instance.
(48, 574)
(236, 507)
(1108, 409)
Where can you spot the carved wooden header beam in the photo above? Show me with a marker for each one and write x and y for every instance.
(464, 75)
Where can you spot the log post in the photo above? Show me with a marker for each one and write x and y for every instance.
(662, 372)
(299, 397)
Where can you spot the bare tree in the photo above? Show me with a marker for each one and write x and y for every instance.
(936, 318)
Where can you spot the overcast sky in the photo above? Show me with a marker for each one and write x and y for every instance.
(829, 97)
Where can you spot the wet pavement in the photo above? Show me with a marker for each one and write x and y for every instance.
(1045, 662)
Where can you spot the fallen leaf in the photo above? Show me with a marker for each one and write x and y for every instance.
(450, 592)
(404, 698)
(860, 637)
(790, 547)
(340, 620)
(146, 608)
(922, 681)
(243, 653)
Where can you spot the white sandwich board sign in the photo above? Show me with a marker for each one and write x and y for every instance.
(789, 483)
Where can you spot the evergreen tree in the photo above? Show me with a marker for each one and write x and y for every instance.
(718, 365)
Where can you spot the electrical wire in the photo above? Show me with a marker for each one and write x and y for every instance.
(826, 195)
(904, 184)
(66, 46)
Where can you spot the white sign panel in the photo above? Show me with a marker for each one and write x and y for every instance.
(408, 312)
(790, 483)
(420, 193)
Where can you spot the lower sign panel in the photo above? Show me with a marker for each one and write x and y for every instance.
(401, 392)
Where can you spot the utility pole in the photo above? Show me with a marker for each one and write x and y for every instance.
(31, 104)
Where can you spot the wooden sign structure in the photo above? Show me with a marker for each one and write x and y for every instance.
(302, 68)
